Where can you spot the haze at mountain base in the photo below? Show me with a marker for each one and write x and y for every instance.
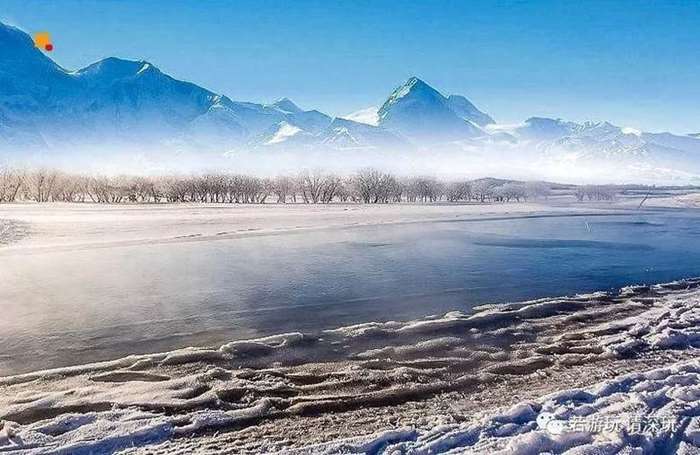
(128, 116)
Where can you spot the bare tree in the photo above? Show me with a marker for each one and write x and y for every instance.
(370, 186)
(311, 186)
(596, 192)
(374, 187)
(10, 184)
(283, 187)
(424, 189)
(509, 191)
(458, 191)
(482, 190)
(39, 184)
(67, 188)
(330, 188)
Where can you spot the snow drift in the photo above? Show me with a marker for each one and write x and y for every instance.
(147, 400)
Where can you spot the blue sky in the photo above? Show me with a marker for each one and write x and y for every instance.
(635, 63)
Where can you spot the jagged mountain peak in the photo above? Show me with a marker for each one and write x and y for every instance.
(287, 105)
(413, 90)
(414, 84)
(599, 128)
(417, 111)
(113, 68)
(132, 104)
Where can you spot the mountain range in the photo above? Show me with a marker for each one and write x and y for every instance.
(47, 110)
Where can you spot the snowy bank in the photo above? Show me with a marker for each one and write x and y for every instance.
(657, 411)
(199, 395)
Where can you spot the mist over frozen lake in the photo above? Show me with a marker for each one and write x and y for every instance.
(68, 306)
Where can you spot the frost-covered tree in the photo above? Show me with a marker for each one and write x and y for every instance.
(482, 190)
(10, 184)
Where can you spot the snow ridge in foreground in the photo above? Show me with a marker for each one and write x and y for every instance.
(151, 400)
(653, 412)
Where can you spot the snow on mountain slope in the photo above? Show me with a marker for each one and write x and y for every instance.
(613, 150)
(283, 132)
(133, 107)
(368, 116)
(343, 133)
(417, 111)
(121, 101)
(283, 135)
(466, 110)
(287, 106)
(136, 98)
(686, 143)
(112, 99)
(539, 129)
(25, 72)
(311, 121)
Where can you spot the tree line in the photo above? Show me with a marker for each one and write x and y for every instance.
(370, 186)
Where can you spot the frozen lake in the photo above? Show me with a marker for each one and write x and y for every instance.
(72, 306)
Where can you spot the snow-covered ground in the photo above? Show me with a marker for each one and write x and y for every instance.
(619, 369)
(70, 225)
(488, 381)
(647, 412)
(11, 231)
(691, 200)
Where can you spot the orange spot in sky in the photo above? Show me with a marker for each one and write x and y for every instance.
(42, 40)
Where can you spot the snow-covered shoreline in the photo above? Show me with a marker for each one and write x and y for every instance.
(652, 412)
(201, 395)
(69, 226)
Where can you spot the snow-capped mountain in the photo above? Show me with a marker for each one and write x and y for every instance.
(285, 133)
(467, 111)
(344, 133)
(603, 140)
(420, 113)
(311, 121)
(44, 106)
(368, 116)
(127, 105)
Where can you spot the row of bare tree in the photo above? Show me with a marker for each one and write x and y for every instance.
(369, 186)
(595, 193)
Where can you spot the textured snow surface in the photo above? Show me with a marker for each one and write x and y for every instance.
(148, 401)
(652, 412)
(11, 231)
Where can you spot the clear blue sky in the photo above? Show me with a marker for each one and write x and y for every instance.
(635, 63)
